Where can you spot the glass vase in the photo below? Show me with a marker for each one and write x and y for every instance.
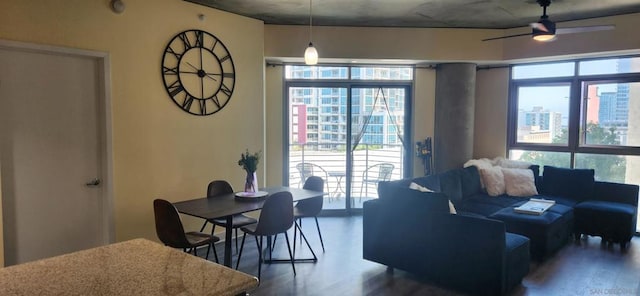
(251, 182)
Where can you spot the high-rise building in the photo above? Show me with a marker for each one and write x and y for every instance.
(325, 109)
(539, 120)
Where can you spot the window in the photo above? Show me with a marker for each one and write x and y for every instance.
(579, 114)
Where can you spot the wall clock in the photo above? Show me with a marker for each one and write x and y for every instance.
(198, 72)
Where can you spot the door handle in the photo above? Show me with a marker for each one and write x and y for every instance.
(93, 183)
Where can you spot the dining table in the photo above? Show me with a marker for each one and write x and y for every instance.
(227, 205)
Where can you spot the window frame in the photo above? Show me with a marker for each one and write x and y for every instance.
(577, 110)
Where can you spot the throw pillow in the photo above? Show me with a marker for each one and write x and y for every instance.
(493, 180)
(511, 164)
(519, 182)
(414, 186)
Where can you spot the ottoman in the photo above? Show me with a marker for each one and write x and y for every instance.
(547, 232)
(613, 221)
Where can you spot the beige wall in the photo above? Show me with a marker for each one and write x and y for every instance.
(490, 127)
(158, 150)
(274, 109)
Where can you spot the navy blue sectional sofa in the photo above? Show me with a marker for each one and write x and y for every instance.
(485, 248)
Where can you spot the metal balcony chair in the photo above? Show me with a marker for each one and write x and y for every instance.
(171, 232)
(219, 188)
(307, 169)
(374, 174)
(276, 217)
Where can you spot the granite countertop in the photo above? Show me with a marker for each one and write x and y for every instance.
(135, 267)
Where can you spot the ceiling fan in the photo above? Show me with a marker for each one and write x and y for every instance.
(545, 30)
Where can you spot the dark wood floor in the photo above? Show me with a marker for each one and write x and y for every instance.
(582, 268)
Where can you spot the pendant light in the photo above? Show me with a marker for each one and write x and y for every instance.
(311, 54)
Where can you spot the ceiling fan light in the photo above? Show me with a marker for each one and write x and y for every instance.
(311, 55)
(544, 37)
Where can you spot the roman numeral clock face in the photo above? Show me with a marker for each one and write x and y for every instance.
(198, 72)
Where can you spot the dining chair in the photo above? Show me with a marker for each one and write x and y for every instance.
(219, 188)
(307, 169)
(308, 208)
(171, 232)
(276, 217)
(374, 174)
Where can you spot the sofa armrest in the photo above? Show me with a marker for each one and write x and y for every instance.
(616, 192)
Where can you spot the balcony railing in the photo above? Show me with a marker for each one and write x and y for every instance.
(331, 159)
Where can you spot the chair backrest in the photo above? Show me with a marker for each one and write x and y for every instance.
(218, 187)
(276, 215)
(305, 169)
(312, 206)
(168, 224)
(384, 173)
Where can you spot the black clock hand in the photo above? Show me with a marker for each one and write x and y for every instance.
(207, 74)
(192, 66)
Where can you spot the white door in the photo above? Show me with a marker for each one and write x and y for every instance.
(49, 151)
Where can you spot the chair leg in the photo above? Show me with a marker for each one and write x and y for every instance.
(240, 253)
(295, 230)
(236, 239)
(205, 224)
(286, 236)
(215, 253)
(307, 242)
(319, 234)
(208, 248)
(259, 255)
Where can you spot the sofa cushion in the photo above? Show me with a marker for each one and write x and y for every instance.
(493, 180)
(575, 184)
(414, 186)
(615, 209)
(470, 181)
(484, 205)
(451, 185)
(519, 182)
(432, 182)
(560, 200)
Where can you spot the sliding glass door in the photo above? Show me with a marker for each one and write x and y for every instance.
(347, 129)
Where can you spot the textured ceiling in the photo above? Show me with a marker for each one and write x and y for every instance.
(495, 14)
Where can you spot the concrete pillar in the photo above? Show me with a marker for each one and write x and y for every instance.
(455, 107)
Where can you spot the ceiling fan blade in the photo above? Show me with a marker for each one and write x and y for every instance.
(539, 26)
(584, 29)
(509, 36)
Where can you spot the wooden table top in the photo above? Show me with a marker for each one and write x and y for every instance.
(135, 267)
(226, 205)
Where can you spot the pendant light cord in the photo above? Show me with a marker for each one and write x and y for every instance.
(310, 21)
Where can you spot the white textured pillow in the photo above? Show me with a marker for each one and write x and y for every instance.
(493, 180)
(479, 163)
(414, 186)
(511, 164)
(519, 182)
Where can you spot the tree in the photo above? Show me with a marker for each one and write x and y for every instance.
(607, 167)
